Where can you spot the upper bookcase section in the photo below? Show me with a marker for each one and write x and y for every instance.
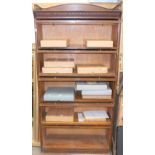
(77, 11)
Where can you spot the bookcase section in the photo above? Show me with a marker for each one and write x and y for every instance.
(77, 64)
(77, 50)
(90, 35)
(75, 139)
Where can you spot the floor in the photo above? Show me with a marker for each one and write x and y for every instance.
(36, 151)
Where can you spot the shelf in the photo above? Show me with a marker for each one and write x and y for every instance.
(61, 105)
(90, 51)
(75, 79)
(80, 100)
(93, 123)
(76, 143)
(75, 75)
(77, 22)
(77, 47)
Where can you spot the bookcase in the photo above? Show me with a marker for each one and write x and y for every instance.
(63, 32)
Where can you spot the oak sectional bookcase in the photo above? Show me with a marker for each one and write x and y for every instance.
(89, 35)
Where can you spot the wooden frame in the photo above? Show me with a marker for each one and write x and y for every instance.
(35, 132)
(71, 16)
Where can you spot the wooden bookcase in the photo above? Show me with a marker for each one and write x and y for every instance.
(76, 23)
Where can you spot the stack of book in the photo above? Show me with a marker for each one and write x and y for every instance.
(65, 115)
(94, 115)
(58, 66)
(99, 43)
(59, 94)
(53, 43)
(94, 90)
(90, 69)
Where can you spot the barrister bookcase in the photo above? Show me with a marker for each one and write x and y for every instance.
(77, 23)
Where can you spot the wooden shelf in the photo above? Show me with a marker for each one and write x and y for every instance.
(75, 75)
(90, 51)
(61, 105)
(76, 143)
(76, 79)
(80, 100)
(78, 47)
(95, 123)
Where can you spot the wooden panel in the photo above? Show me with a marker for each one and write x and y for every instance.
(76, 123)
(76, 131)
(58, 84)
(74, 144)
(86, 78)
(120, 111)
(78, 77)
(75, 138)
(35, 135)
(91, 106)
(76, 11)
(78, 51)
(84, 58)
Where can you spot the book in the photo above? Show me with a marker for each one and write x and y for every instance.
(60, 115)
(64, 63)
(96, 96)
(59, 94)
(81, 117)
(53, 43)
(61, 118)
(95, 115)
(91, 85)
(107, 91)
(57, 70)
(89, 69)
(99, 43)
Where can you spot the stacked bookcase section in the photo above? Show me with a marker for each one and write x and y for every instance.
(77, 48)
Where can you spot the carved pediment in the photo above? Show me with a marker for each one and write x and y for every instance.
(79, 11)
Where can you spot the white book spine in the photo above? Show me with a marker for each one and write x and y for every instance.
(63, 64)
(57, 70)
(91, 87)
(95, 92)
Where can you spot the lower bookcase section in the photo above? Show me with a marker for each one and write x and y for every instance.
(75, 139)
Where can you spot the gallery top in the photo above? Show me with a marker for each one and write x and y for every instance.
(78, 11)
